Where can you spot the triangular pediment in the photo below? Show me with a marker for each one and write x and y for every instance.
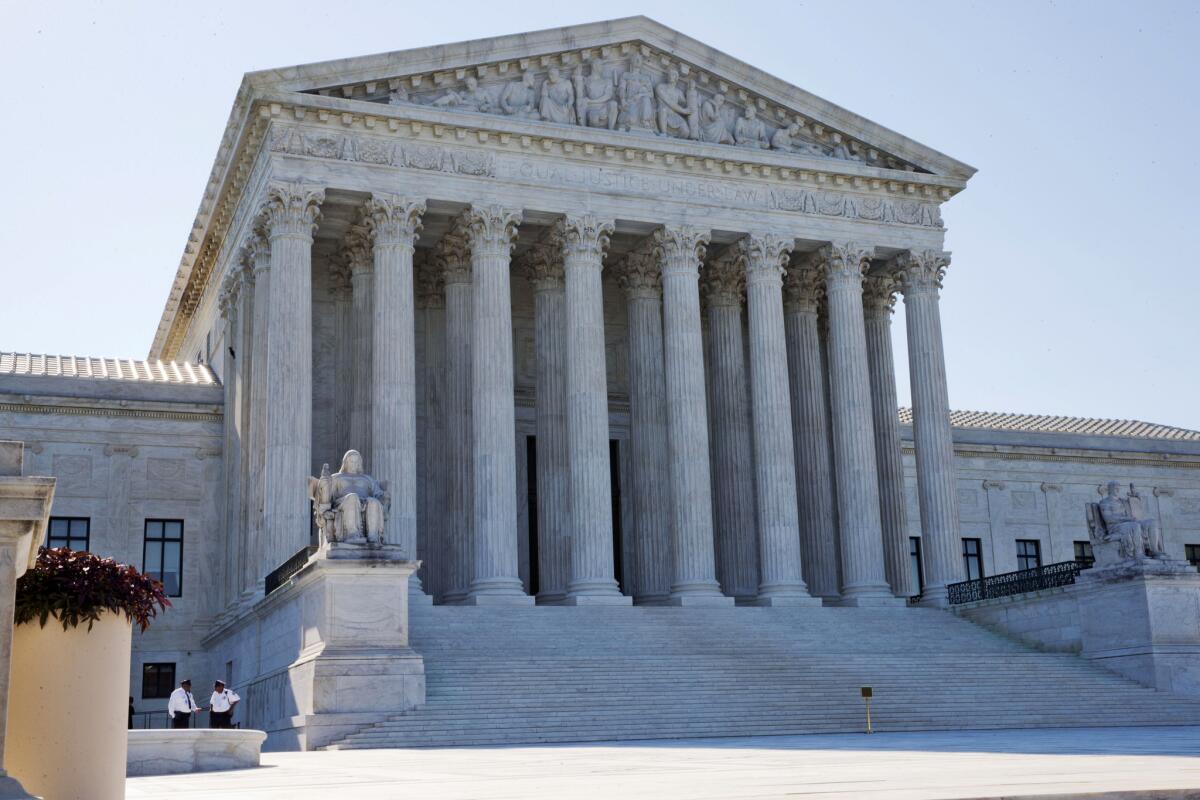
(629, 75)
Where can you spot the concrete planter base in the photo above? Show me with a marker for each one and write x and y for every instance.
(173, 752)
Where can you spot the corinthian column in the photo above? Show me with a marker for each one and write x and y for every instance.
(543, 267)
(802, 290)
(863, 581)
(291, 212)
(228, 303)
(258, 555)
(736, 548)
(681, 250)
(493, 232)
(921, 274)
(592, 576)
(358, 258)
(641, 279)
(879, 296)
(454, 255)
(780, 563)
(393, 224)
(431, 542)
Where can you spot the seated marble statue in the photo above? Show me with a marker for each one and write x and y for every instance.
(349, 505)
(750, 131)
(473, 98)
(1123, 521)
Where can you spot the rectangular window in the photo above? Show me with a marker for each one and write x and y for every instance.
(72, 532)
(1029, 553)
(162, 556)
(158, 681)
(1083, 555)
(972, 553)
(914, 555)
(1192, 551)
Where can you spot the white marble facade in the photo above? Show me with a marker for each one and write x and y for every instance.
(610, 311)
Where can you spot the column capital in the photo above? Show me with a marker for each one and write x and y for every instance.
(681, 248)
(639, 274)
(429, 280)
(356, 250)
(585, 237)
(392, 220)
(492, 229)
(803, 286)
(845, 263)
(292, 209)
(724, 278)
(228, 297)
(453, 255)
(922, 271)
(767, 255)
(542, 263)
(879, 293)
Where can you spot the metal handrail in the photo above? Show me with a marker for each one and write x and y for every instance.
(1006, 584)
(280, 575)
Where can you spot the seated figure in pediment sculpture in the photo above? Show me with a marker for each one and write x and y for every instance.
(713, 127)
(519, 98)
(635, 94)
(473, 98)
(558, 99)
(595, 98)
(750, 131)
(674, 113)
(349, 505)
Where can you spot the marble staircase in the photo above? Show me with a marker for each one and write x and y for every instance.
(550, 674)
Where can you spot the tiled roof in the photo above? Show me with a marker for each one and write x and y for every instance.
(1045, 423)
(113, 369)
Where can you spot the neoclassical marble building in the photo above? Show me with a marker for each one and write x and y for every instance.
(608, 309)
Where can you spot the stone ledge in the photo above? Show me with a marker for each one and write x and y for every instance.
(173, 752)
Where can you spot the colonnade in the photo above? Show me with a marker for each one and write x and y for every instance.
(792, 492)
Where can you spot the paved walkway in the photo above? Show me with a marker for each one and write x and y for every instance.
(961, 764)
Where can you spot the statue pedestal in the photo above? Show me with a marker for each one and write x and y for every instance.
(355, 665)
(1142, 620)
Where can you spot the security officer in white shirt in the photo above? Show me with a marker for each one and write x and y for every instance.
(223, 702)
(182, 705)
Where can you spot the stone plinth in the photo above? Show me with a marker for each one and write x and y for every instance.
(347, 612)
(173, 752)
(1142, 619)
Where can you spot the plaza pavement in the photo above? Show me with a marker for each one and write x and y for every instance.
(1096, 762)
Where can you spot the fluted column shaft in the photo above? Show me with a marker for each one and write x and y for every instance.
(592, 574)
(695, 581)
(248, 562)
(257, 553)
(922, 276)
(878, 298)
(641, 279)
(544, 269)
(781, 580)
(362, 304)
(855, 466)
(810, 434)
(732, 450)
(496, 578)
(229, 303)
(292, 212)
(393, 224)
(431, 544)
(459, 496)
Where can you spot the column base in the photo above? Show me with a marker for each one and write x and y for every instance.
(514, 600)
(701, 600)
(793, 600)
(552, 598)
(598, 600)
(935, 598)
(653, 600)
(11, 789)
(831, 599)
(454, 598)
(416, 592)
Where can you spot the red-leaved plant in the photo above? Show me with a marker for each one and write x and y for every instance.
(75, 586)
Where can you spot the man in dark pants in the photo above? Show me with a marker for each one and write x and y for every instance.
(221, 708)
(182, 705)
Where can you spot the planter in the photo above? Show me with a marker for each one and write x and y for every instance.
(67, 708)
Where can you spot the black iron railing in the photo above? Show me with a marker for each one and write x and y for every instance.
(160, 720)
(280, 575)
(1010, 583)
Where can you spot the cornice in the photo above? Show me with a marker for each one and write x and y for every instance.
(101, 408)
(1099, 457)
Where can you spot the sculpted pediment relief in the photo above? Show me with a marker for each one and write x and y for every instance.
(626, 86)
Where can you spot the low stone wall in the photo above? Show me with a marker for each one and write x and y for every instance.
(171, 752)
(1047, 619)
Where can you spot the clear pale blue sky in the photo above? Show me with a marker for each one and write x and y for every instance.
(1074, 285)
